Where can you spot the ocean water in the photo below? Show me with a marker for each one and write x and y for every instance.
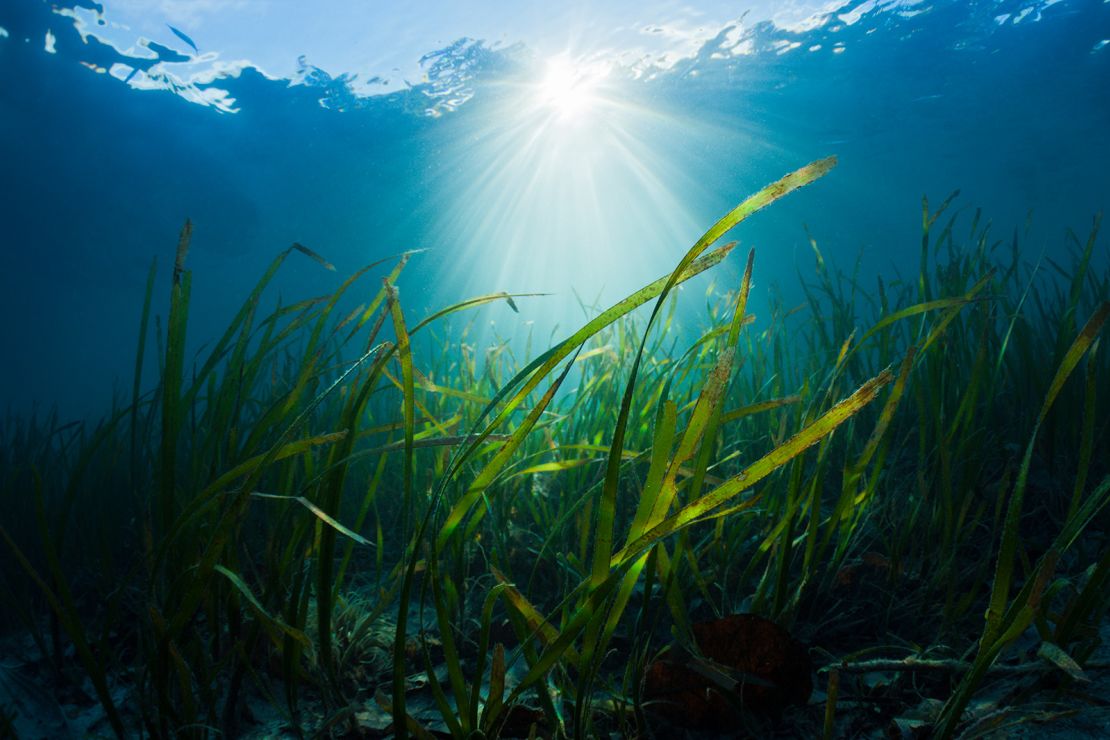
(114, 129)
(894, 451)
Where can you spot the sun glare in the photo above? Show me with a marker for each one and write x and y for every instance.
(548, 176)
(569, 90)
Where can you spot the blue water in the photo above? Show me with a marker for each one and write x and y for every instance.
(105, 150)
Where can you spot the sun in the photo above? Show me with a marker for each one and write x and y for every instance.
(570, 91)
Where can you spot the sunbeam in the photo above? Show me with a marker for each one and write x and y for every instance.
(568, 180)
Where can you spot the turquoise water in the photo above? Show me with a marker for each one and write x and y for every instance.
(579, 153)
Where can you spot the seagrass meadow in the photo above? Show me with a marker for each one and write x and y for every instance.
(879, 513)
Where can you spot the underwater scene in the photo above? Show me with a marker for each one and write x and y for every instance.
(554, 370)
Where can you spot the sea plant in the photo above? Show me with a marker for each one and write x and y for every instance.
(312, 482)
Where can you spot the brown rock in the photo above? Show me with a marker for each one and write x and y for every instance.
(746, 663)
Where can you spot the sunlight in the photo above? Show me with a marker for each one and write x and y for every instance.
(537, 194)
(569, 90)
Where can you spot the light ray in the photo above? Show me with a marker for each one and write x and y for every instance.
(564, 182)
